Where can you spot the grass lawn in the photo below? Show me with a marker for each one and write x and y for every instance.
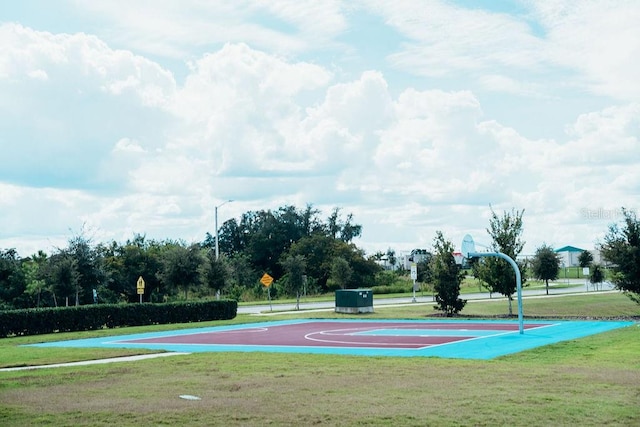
(592, 381)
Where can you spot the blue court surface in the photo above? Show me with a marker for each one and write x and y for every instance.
(464, 339)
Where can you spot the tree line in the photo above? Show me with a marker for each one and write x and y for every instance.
(265, 241)
(302, 251)
(621, 248)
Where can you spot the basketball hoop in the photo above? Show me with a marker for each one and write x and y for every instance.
(468, 249)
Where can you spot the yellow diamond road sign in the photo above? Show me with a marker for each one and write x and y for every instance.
(266, 280)
(140, 283)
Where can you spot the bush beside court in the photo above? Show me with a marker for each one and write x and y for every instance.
(91, 317)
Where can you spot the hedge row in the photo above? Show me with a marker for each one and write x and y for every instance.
(391, 289)
(36, 321)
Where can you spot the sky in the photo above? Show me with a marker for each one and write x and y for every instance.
(124, 117)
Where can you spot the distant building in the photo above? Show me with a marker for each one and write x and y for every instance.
(597, 257)
(416, 255)
(457, 256)
(569, 255)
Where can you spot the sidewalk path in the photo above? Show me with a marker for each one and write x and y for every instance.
(95, 362)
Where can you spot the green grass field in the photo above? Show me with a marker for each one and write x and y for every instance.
(592, 381)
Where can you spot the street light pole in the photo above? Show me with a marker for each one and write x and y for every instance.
(216, 225)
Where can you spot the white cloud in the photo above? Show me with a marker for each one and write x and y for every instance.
(109, 138)
(128, 145)
(435, 151)
(445, 38)
(91, 96)
(240, 111)
(82, 59)
(500, 83)
(610, 136)
(178, 29)
(600, 39)
(38, 75)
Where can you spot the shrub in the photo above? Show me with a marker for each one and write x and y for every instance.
(89, 317)
(398, 288)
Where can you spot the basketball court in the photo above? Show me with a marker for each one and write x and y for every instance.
(464, 339)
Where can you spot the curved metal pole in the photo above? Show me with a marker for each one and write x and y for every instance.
(518, 280)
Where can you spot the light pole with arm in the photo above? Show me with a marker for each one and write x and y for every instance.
(216, 225)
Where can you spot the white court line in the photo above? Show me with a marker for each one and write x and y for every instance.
(357, 330)
(333, 332)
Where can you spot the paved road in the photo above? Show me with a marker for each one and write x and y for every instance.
(426, 299)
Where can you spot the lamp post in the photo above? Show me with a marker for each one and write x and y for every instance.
(216, 224)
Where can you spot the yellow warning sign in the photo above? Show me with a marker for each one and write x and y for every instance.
(266, 280)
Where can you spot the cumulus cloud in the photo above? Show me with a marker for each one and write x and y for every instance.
(111, 138)
(239, 109)
(64, 125)
(599, 39)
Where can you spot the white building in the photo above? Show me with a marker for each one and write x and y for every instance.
(569, 255)
(416, 255)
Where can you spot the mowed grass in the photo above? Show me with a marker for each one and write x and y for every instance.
(592, 381)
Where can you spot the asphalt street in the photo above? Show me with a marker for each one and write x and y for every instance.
(555, 288)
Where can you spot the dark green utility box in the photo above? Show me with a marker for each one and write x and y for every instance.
(354, 301)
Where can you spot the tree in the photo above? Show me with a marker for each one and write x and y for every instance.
(12, 280)
(377, 256)
(61, 276)
(363, 270)
(320, 252)
(180, 267)
(447, 277)
(585, 259)
(33, 272)
(342, 230)
(545, 265)
(209, 241)
(138, 257)
(233, 238)
(350, 230)
(597, 275)
(341, 272)
(242, 273)
(89, 265)
(266, 235)
(505, 232)
(391, 258)
(622, 248)
(295, 266)
(424, 270)
(214, 271)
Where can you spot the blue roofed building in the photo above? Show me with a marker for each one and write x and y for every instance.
(569, 255)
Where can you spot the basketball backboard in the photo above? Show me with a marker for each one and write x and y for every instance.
(468, 246)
